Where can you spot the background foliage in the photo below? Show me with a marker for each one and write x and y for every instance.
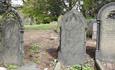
(91, 7)
(45, 11)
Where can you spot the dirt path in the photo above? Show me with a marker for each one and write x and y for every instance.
(48, 40)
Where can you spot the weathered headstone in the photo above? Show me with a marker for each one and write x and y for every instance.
(106, 34)
(72, 45)
(11, 38)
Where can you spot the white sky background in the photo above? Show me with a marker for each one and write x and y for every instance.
(16, 3)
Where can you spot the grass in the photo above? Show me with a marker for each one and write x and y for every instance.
(35, 48)
(78, 67)
(34, 51)
(40, 27)
(12, 67)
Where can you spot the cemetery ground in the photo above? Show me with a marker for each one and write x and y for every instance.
(41, 43)
(40, 47)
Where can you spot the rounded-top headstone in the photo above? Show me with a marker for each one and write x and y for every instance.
(11, 38)
(72, 45)
(106, 33)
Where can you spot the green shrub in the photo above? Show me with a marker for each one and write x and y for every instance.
(34, 48)
(46, 20)
(34, 52)
(76, 67)
(79, 67)
(12, 67)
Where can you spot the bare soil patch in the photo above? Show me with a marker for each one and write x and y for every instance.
(49, 42)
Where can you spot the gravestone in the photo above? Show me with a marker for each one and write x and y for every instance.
(72, 44)
(90, 30)
(11, 38)
(94, 34)
(106, 34)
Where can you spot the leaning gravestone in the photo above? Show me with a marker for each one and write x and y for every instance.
(106, 34)
(11, 37)
(72, 44)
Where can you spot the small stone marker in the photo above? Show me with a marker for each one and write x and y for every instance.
(72, 46)
(58, 66)
(106, 34)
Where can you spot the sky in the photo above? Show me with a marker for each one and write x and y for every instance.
(16, 3)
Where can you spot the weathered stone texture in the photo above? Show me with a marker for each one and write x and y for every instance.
(72, 50)
(106, 41)
(11, 39)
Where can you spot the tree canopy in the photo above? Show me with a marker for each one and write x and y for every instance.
(49, 10)
(91, 7)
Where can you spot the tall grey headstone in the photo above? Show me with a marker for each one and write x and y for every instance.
(106, 33)
(11, 38)
(72, 45)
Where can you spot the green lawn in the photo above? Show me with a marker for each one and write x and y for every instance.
(41, 27)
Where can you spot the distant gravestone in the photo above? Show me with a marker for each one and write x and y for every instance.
(72, 44)
(94, 34)
(90, 28)
(11, 38)
(106, 33)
